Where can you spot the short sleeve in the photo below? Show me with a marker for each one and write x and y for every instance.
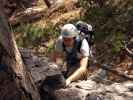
(85, 49)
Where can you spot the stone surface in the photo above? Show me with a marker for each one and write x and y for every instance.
(41, 67)
(90, 90)
(96, 87)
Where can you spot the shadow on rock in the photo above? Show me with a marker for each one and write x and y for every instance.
(50, 84)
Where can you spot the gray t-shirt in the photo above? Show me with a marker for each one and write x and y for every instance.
(84, 49)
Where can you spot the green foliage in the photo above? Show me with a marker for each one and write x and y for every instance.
(107, 17)
(49, 49)
(32, 34)
(117, 42)
(109, 20)
(83, 3)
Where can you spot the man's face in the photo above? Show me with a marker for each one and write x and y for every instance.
(68, 41)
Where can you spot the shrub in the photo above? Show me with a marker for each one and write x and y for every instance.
(31, 35)
(117, 42)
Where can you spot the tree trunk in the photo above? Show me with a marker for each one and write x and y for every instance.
(15, 81)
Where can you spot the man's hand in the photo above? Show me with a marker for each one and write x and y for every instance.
(80, 72)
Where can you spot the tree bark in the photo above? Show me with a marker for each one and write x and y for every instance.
(14, 77)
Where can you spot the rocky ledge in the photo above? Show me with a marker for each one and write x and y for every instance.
(51, 82)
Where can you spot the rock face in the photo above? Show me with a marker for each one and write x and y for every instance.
(90, 90)
(51, 83)
(41, 67)
(46, 75)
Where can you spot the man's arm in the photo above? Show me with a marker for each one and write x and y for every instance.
(80, 72)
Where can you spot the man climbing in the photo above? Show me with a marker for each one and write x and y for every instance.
(74, 50)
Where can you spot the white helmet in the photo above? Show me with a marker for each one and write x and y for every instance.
(69, 31)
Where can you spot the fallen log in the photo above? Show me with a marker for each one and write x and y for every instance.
(29, 15)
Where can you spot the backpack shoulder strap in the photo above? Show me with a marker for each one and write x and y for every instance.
(64, 47)
(77, 44)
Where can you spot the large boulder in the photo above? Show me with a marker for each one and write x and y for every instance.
(40, 67)
(90, 90)
(47, 75)
(51, 82)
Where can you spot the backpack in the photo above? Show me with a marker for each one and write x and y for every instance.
(86, 32)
